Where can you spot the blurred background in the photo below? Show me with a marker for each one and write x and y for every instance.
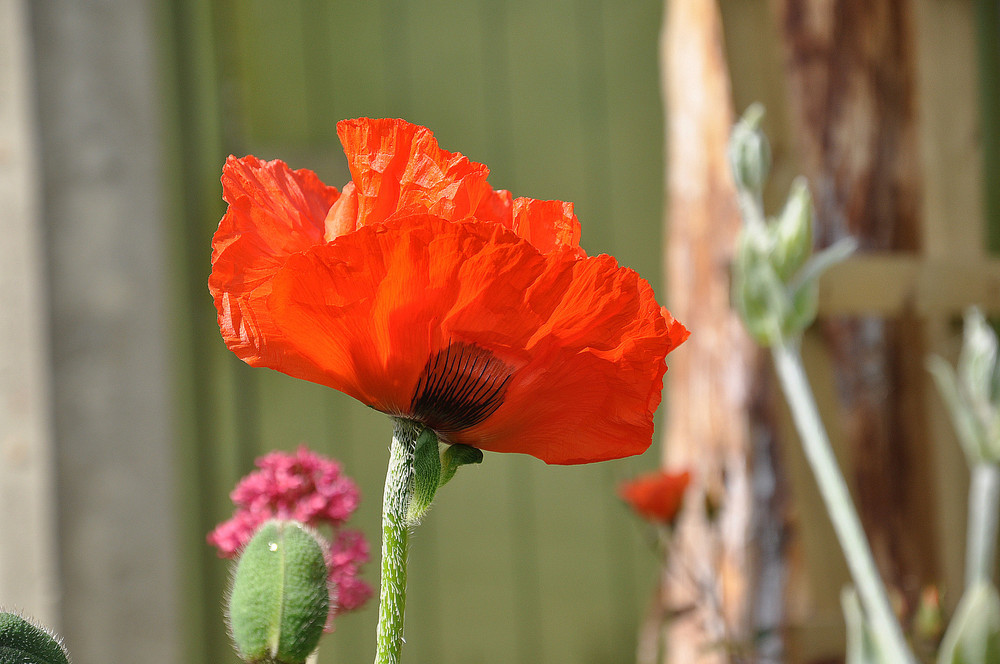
(125, 421)
(122, 114)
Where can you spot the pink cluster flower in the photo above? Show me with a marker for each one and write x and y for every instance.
(310, 488)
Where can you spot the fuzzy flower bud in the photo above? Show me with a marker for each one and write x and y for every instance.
(23, 642)
(306, 487)
(279, 600)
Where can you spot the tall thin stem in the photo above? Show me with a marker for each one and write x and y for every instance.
(887, 634)
(395, 536)
(984, 500)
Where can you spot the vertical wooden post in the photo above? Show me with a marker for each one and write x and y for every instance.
(28, 554)
(720, 586)
(851, 74)
(102, 211)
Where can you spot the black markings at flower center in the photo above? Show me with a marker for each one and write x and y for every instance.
(460, 387)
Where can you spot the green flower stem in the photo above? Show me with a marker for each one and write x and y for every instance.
(984, 514)
(395, 534)
(886, 632)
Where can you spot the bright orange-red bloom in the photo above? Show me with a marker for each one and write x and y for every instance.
(657, 496)
(424, 293)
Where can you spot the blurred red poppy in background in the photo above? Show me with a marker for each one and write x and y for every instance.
(657, 496)
(424, 293)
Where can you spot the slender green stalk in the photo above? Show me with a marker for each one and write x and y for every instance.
(885, 628)
(395, 534)
(984, 518)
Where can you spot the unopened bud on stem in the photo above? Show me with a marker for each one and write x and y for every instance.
(279, 600)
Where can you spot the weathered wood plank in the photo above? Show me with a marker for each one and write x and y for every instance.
(890, 284)
(710, 576)
(29, 578)
(851, 69)
(98, 126)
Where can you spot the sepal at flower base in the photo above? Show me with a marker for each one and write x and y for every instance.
(426, 476)
(458, 455)
(433, 469)
(24, 642)
(279, 600)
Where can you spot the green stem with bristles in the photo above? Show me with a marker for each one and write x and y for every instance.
(395, 536)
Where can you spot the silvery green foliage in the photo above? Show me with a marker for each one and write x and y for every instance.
(749, 151)
(24, 642)
(973, 636)
(775, 273)
(279, 600)
(972, 390)
(860, 644)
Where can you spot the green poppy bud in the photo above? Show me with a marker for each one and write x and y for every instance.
(24, 642)
(279, 600)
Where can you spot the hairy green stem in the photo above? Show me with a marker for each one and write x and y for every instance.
(395, 535)
(984, 513)
(885, 629)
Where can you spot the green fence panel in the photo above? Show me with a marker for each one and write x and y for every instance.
(517, 561)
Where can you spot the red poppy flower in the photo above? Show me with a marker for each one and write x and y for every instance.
(424, 293)
(657, 496)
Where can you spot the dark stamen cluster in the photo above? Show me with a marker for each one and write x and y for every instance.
(460, 387)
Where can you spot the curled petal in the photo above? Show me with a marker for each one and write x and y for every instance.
(398, 168)
(273, 213)
(549, 225)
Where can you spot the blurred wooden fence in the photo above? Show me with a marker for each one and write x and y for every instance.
(117, 118)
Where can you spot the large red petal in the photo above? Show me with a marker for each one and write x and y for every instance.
(584, 339)
(596, 369)
(274, 212)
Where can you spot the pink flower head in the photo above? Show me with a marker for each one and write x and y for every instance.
(310, 488)
(348, 553)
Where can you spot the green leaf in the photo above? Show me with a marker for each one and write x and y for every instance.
(860, 644)
(973, 637)
(749, 151)
(967, 427)
(23, 642)
(793, 231)
(279, 600)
